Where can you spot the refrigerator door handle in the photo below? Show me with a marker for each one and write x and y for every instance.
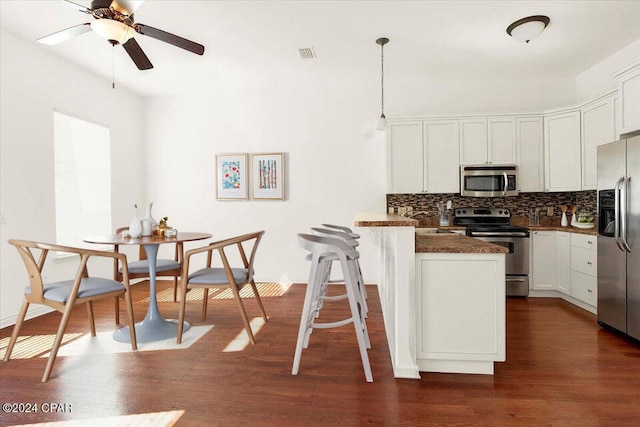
(616, 214)
(623, 212)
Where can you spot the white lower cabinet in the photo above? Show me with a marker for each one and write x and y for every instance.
(544, 260)
(566, 262)
(584, 268)
(563, 270)
(460, 312)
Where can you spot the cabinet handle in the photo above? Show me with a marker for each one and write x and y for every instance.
(590, 291)
(590, 242)
(589, 262)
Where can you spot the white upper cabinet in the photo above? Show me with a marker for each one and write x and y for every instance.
(629, 93)
(502, 140)
(598, 127)
(562, 152)
(441, 172)
(422, 156)
(404, 157)
(530, 153)
(487, 141)
(473, 141)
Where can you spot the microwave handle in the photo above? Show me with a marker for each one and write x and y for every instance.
(506, 183)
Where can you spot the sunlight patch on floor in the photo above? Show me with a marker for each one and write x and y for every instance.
(151, 419)
(28, 346)
(103, 343)
(265, 289)
(241, 341)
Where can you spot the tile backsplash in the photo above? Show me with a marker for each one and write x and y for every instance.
(519, 206)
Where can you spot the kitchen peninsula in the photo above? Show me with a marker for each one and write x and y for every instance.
(442, 297)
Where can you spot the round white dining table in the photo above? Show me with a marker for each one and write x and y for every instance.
(153, 327)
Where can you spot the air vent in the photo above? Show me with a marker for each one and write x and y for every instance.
(307, 53)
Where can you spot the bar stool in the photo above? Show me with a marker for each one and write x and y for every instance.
(325, 250)
(343, 229)
(352, 242)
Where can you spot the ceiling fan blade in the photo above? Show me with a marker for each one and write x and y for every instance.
(77, 6)
(137, 54)
(170, 38)
(126, 7)
(66, 34)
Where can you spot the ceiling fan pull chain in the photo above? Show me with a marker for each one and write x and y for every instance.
(113, 66)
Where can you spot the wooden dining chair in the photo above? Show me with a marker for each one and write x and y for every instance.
(64, 295)
(235, 278)
(140, 269)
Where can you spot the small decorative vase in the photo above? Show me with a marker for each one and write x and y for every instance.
(564, 221)
(574, 220)
(148, 222)
(135, 228)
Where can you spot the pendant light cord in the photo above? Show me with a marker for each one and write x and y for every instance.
(382, 76)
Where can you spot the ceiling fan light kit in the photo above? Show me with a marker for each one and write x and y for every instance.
(526, 29)
(115, 32)
(115, 23)
(382, 121)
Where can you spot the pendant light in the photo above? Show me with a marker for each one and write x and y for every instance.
(527, 29)
(382, 122)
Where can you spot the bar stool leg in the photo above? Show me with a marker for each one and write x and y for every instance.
(358, 321)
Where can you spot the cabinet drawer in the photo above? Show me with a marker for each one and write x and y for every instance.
(584, 261)
(584, 241)
(584, 287)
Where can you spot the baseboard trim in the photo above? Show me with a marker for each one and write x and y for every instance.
(31, 313)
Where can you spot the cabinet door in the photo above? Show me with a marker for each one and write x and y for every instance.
(441, 157)
(502, 140)
(530, 153)
(404, 157)
(473, 141)
(563, 267)
(562, 152)
(544, 260)
(629, 92)
(598, 127)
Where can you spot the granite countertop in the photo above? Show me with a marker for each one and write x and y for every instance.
(456, 243)
(553, 224)
(378, 219)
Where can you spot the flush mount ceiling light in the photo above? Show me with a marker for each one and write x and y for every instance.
(527, 29)
(382, 122)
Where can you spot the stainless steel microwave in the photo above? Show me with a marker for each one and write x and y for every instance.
(489, 181)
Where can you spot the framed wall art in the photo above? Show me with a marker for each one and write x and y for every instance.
(232, 177)
(268, 176)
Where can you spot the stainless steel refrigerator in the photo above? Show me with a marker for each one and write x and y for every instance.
(619, 236)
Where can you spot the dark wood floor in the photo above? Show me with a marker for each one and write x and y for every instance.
(561, 370)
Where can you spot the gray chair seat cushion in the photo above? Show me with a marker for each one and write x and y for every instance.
(142, 266)
(90, 286)
(213, 276)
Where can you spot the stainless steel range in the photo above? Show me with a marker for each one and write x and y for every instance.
(492, 225)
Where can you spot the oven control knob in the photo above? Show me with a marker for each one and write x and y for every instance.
(506, 212)
(499, 212)
(464, 211)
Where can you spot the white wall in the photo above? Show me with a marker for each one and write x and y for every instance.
(33, 83)
(597, 79)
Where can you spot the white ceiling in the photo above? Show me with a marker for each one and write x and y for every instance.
(249, 43)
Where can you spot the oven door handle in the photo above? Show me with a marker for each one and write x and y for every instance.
(492, 234)
(519, 279)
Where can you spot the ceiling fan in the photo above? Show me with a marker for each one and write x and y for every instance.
(114, 21)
